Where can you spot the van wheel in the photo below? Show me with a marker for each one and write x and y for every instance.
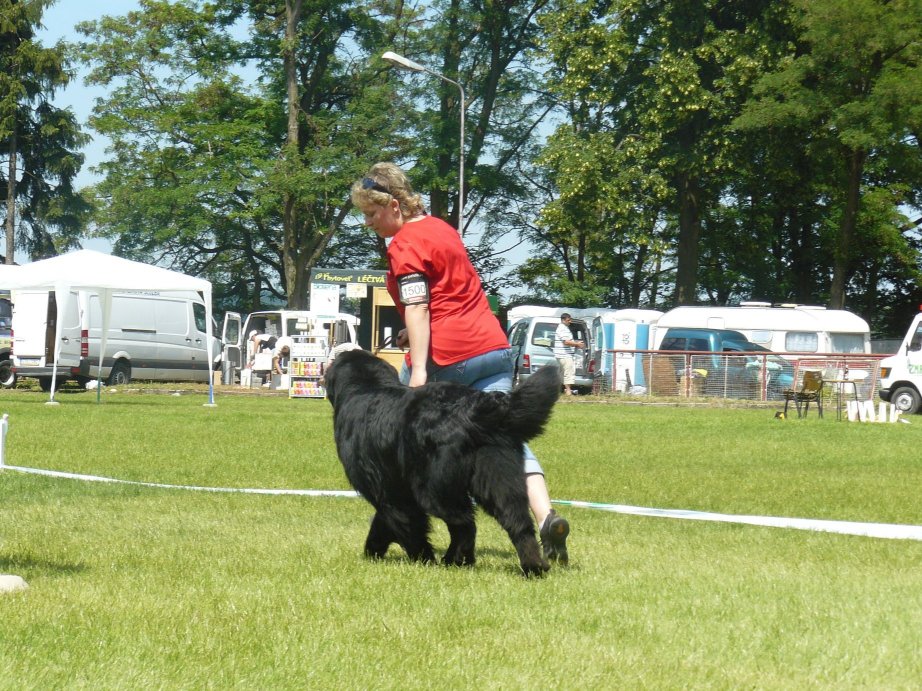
(45, 384)
(906, 400)
(120, 374)
(7, 376)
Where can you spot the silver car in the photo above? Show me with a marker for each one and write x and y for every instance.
(532, 341)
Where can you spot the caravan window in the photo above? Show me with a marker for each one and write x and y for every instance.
(761, 337)
(801, 341)
(847, 343)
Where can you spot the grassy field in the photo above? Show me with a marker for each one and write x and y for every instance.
(133, 587)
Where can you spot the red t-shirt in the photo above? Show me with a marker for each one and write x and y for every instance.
(460, 321)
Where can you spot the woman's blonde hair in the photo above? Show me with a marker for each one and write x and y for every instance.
(385, 181)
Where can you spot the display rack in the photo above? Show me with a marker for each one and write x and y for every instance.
(305, 368)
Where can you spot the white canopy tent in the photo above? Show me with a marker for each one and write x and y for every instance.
(8, 272)
(104, 274)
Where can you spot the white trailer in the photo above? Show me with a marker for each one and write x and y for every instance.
(801, 329)
(901, 374)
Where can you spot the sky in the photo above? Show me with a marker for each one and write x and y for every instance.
(59, 20)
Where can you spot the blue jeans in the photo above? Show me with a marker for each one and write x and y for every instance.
(491, 371)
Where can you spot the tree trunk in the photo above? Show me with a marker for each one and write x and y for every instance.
(292, 271)
(11, 201)
(686, 285)
(843, 250)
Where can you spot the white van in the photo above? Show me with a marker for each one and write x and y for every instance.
(156, 335)
(901, 374)
(781, 328)
(331, 329)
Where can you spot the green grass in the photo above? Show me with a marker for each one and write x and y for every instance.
(142, 588)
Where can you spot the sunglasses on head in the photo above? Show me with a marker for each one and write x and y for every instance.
(369, 184)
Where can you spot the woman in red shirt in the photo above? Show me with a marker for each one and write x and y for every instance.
(451, 332)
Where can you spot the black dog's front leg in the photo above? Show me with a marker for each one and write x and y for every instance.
(461, 549)
(409, 529)
(379, 537)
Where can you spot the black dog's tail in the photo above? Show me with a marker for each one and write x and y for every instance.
(531, 403)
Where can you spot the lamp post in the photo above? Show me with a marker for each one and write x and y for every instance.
(407, 64)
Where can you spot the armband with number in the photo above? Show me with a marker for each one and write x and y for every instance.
(413, 289)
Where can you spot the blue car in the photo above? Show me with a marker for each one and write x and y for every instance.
(720, 360)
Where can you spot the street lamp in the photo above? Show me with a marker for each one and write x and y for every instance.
(407, 64)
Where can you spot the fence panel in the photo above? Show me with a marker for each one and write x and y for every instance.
(752, 376)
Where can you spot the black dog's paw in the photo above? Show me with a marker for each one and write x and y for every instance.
(535, 569)
(458, 559)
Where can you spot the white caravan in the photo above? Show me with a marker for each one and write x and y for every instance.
(901, 374)
(800, 329)
(156, 335)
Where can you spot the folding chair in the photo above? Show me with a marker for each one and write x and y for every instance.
(810, 391)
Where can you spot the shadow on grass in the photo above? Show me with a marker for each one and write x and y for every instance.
(32, 564)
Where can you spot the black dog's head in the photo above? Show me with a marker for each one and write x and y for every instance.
(357, 370)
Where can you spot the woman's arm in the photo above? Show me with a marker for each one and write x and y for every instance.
(417, 321)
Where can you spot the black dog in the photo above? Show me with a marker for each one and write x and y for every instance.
(430, 450)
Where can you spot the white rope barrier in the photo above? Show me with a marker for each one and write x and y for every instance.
(890, 531)
(197, 488)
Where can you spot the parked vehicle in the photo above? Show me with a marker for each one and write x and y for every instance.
(722, 364)
(332, 329)
(532, 341)
(7, 376)
(783, 328)
(901, 374)
(161, 336)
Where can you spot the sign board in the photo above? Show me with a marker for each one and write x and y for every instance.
(324, 298)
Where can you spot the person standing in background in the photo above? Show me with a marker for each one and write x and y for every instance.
(565, 351)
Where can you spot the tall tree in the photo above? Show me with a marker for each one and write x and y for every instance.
(37, 140)
(489, 48)
(234, 145)
(673, 73)
(853, 84)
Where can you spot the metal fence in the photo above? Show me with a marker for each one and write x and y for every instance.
(745, 376)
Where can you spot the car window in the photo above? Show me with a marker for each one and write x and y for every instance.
(672, 343)
(698, 344)
(518, 334)
(198, 314)
(543, 334)
(916, 342)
